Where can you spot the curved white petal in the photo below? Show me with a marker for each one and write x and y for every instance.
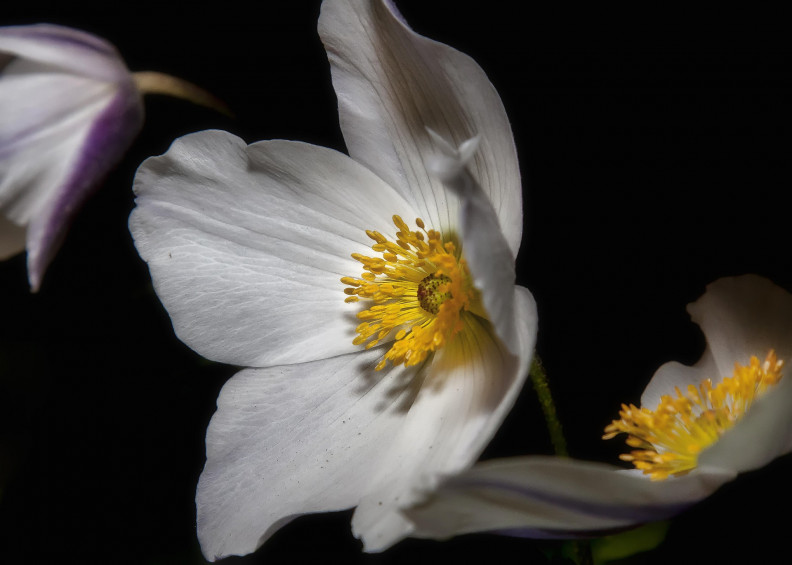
(763, 434)
(672, 375)
(740, 317)
(472, 384)
(247, 244)
(331, 434)
(485, 249)
(61, 130)
(44, 120)
(392, 84)
(744, 316)
(555, 497)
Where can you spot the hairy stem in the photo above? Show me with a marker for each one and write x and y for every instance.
(542, 388)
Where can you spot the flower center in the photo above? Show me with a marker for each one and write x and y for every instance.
(418, 289)
(670, 438)
(429, 293)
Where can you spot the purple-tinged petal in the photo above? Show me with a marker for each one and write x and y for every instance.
(68, 111)
(551, 497)
(110, 135)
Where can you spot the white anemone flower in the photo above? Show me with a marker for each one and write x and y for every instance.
(698, 428)
(371, 297)
(69, 110)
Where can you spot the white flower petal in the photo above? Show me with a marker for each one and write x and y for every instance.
(555, 497)
(472, 385)
(552, 497)
(64, 49)
(331, 434)
(485, 249)
(61, 129)
(44, 121)
(744, 316)
(763, 434)
(672, 375)
(392, 84)
(740, 317)
(247, 244)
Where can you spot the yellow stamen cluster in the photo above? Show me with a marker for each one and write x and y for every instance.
(670, 438)
(419, 288)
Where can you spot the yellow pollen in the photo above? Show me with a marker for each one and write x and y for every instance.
(670, 438)
(419, 289)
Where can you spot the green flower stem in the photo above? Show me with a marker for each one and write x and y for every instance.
(542, 388)
(581, 550)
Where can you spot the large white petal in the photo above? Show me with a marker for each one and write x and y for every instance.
(392, 84)
(472, 383)
(741, 317)
(331, 434)
(555, 497)
(247, 244)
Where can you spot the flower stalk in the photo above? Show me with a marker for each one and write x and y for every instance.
(580, 549)
(152, 82)
(542, 388)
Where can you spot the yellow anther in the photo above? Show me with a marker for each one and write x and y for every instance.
(399, 223)
(376, 236)
(669, 439)
(418, 292)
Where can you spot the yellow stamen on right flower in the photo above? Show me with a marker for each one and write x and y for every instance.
(670, 438)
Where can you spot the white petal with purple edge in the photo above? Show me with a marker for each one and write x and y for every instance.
(333, 434)
(61, 129)
(247, 244)
(547, 497)
(392, 84)
(44, 120)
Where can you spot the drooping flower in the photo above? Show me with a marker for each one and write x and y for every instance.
(371, 296)
(698, 428)
(69, 109)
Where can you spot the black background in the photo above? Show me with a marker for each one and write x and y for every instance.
(655, 159)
